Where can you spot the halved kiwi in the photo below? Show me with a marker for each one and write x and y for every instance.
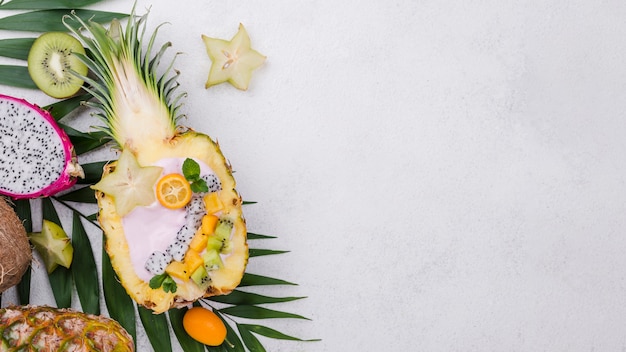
(50, 62)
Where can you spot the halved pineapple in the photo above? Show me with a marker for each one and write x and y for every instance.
(140, 113)
(42, 328)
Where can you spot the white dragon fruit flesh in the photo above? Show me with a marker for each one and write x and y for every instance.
(177, 250)
(37, 159)
(194, 211)
(212, 182)
(157, 262)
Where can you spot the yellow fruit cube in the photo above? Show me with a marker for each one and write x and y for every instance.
(199, 240)
(178, 269)
(212, 203)
(209, 222)
(193, 260)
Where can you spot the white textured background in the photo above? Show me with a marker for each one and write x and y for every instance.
(448, 175)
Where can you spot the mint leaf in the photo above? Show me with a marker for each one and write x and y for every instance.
(157, 281)
(191, 170)
(169, 285)
(199, 186)
(164, 280)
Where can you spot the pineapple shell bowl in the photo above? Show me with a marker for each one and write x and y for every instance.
(206, 252)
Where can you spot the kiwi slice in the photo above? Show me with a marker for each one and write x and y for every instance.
(50, 62)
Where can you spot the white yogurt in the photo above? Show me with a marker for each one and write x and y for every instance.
(154, 227)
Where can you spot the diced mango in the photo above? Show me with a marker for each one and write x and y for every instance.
(193, 260)
(209, 222)
(212, 203)
(199, 240)
(178, 269)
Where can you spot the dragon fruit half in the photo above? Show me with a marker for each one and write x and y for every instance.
(37, 157)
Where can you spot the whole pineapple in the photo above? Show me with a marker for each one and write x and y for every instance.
(40, 328)
(207, 255)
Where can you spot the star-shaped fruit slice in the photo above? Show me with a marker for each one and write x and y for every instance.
(130, 184)
(232, 61)
(53, 245)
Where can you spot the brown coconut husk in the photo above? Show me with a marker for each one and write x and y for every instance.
(15, 250)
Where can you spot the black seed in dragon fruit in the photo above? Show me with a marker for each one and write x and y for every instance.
(177, 250)
(185, 234)
(195, 210)
(195, 207)
(157, 261)
(37, 158)
(212, 182)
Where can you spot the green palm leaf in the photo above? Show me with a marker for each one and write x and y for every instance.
(45, 4)
(16, 76)
(252, 343)
(238, 297)
(84, 269)
(65, 107)
(117, 300)
(157, 329)
(233, 342)
(256, 236)
(256, 312)
(50, 20)
(260, 280)
(271, 333)
(85, 141)
(257, 252)
(81, 195)
(93, 172)
(16, 48)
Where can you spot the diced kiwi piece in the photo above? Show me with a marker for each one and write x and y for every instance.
(212, 260)
(220, 240)
(201, 277)
(215, 243)
(224, 228)
(53, 65)
(226, 247)
(218, 244)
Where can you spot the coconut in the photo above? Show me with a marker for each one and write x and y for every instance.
(15, 251)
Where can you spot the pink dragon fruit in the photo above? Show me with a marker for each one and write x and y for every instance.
(37, 158)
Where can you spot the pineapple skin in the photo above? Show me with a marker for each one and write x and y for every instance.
(42, 328)
(188, 144)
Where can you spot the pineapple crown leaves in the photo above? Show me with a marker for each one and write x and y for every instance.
(124, 73)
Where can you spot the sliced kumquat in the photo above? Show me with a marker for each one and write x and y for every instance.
(173, 191)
